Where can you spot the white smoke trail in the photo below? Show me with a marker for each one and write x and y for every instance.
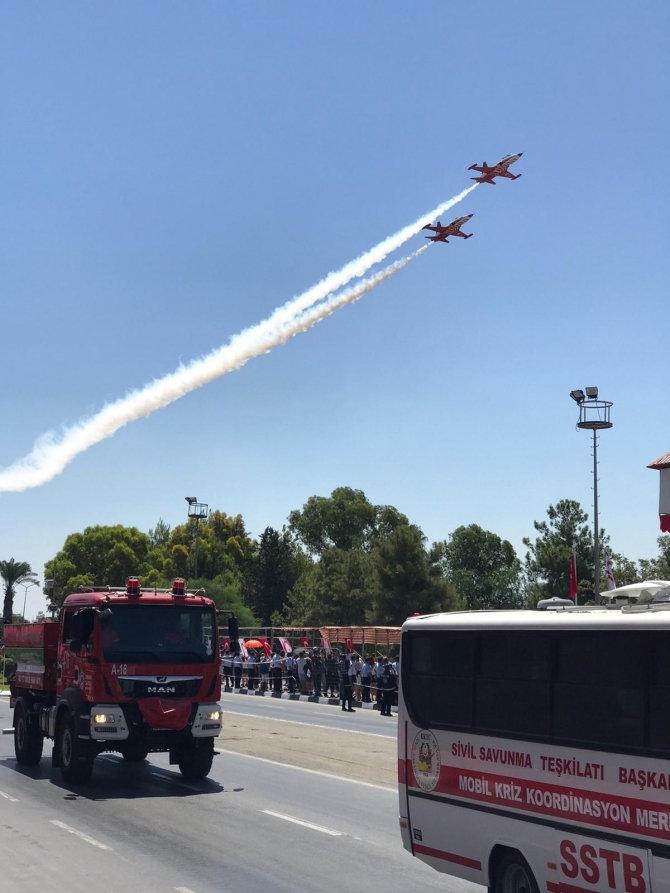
(49, 457)
(362, 264)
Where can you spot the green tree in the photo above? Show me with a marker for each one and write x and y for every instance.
(547, 562)
(483, 568)
(657, 568)
(337, 589)
(345, 521)
(274, 572)
(100, 556)
(223, 546)
(409, 579)
(12, 573)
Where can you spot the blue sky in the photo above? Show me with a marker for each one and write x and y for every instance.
(172, 172)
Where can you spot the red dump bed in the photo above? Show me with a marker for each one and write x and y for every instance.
(34, 647)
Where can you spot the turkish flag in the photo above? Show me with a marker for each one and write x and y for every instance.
(266, 647)
(226, 643)
(349, 644)
(573, 576)
(304, 643)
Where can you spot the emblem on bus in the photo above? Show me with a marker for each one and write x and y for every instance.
(426, 760)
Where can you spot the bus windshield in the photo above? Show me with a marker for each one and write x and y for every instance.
(159, 634)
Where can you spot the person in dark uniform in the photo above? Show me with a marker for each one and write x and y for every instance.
(345, 685)
(387, 687)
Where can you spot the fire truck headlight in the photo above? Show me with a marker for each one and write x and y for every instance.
(102, 718)
(214, 716)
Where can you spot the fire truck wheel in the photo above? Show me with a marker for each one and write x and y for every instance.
(196, 760)
(75, 764)
(134, 752)
(514, 875)
(28, 740)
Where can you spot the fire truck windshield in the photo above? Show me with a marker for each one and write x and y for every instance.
(158, 634)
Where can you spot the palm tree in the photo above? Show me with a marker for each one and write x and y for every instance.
(13, 572)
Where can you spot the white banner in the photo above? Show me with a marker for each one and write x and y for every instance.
(608, 570)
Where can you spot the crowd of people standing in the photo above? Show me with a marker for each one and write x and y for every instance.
(314, 672)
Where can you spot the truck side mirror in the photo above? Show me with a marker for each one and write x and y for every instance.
(233, 629)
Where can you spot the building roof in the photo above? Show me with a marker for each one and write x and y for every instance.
(663, 462)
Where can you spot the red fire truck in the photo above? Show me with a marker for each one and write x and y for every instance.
(126, 670)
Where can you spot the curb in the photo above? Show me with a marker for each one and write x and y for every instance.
(333, 702)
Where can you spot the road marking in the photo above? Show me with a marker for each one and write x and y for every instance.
(365, 784)
(312, 725)
(290, 818)
(81, 835)
(7, 797)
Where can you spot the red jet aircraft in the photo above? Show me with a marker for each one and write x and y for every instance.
(488, 174)
(452, 229)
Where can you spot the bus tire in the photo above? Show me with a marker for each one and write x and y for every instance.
(196, 759)
(76, 764)
(514, 875)
(28, 739)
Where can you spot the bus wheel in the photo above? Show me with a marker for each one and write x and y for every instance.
(28, 740)
(514, 875)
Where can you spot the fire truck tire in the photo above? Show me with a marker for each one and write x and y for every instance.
(28, 739)
(134, 752)
(514, 875)
(75, 764)
(196, 760)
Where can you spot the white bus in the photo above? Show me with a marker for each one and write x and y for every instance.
(534, 748)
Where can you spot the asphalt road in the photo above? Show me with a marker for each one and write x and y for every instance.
(332, 717)
(253, 825)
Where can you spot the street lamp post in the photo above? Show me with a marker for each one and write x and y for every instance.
(594, 415)
(198, 511)
(26, 587)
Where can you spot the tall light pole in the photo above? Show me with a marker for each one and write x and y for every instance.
(594, 415)
(26, 587)
(197, 511)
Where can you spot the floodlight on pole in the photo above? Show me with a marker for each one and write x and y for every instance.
(26, 587)
(594, 415)
(197, 511)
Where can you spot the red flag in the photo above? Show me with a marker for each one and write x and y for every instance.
(665, 523)
(349, 644)
(266, 647)
(573, 576)
(226, 643)
(304, 643)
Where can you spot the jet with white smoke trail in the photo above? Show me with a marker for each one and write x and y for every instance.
(49, 457)
(360, 266)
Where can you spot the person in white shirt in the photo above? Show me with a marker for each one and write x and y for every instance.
(251, 671)
(366, 674)
(237, 670)
(302, 680)
(289, 663)
(275, 670)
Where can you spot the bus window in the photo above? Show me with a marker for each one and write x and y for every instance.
(659, 696)
(437, 678)
(512, 690)
(599, 690)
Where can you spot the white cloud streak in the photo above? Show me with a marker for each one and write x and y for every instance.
(50, 456)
